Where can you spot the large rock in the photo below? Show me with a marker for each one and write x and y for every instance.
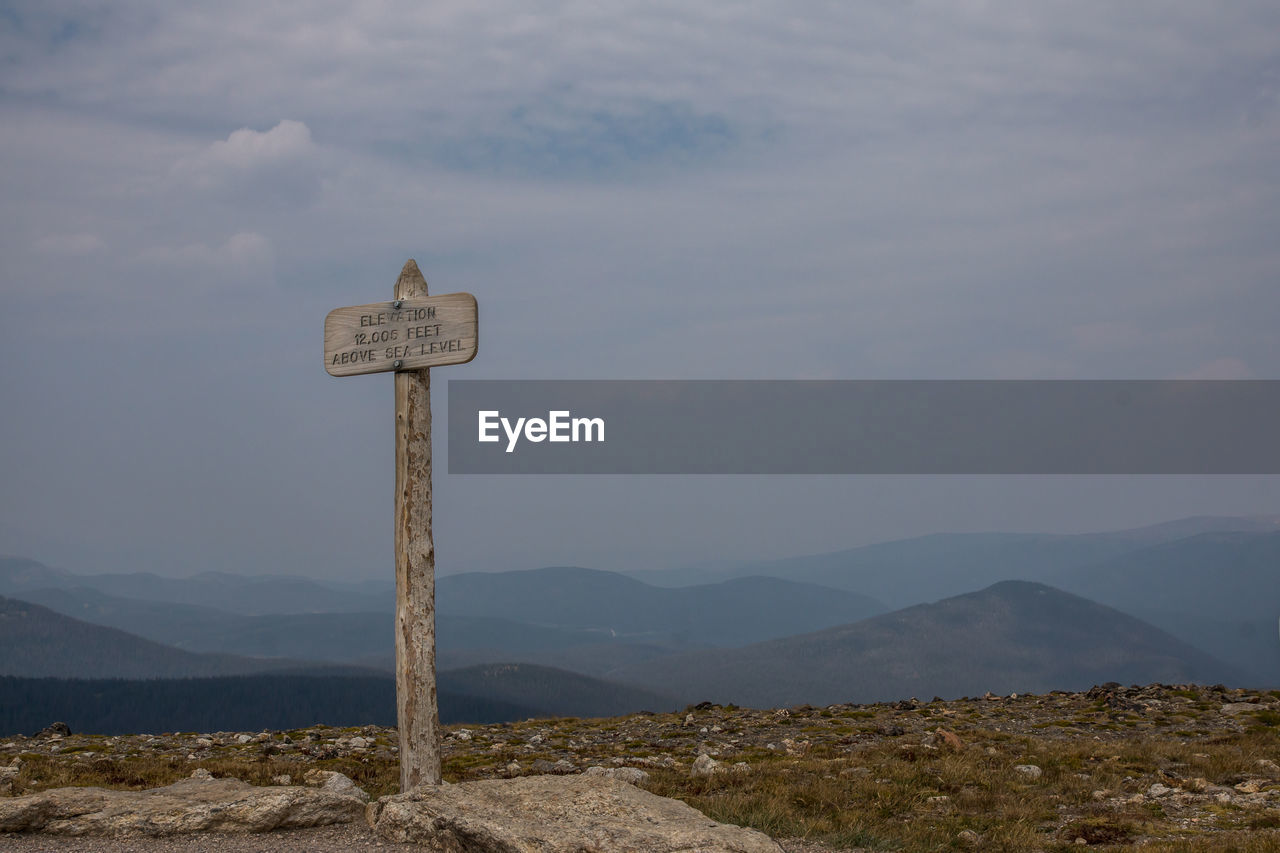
(192, 805)
(555, 814)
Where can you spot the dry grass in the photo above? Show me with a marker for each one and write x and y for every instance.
(136, 773)
(879, 794)
(891, 806)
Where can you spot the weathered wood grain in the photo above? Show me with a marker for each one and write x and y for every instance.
(423, 331)
(417, 711)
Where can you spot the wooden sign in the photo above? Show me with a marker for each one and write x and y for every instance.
(405, 334)
(411, 333)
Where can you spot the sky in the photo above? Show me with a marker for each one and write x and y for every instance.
(880, 190)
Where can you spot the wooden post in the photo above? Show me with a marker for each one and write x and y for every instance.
(409, 335)
(417, 713)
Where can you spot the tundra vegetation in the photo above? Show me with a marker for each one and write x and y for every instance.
(1173, 768)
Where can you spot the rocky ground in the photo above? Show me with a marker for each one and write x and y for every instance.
(1175, 767)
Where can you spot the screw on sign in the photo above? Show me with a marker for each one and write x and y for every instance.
(409, 335)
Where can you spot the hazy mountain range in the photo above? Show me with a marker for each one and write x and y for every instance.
(37, 642)
(1012, 637)
(1192, 600)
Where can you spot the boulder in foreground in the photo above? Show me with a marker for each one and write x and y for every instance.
(555, 814)
(192, 805)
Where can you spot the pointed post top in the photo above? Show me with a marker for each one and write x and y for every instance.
(411, 283)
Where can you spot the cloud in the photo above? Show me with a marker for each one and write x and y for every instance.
(551, 138)
(70, 244)
(244, 251)
(278, 165)
(632, 189)
(247, 149)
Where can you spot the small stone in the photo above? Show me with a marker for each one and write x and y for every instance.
(201, 773)
(795, 747)
(513, 769)
(282, 779)
(688, 720)
(856, 771)
(1099, 795)
(462, 735)
(740, 767)
(1159, 790)
(1028, 771)
(1266, 765)
(244, 738)
(334, 782)
(705, 765)
(968, 837)
(1250, 786)
(1233, 708)
(8, 775)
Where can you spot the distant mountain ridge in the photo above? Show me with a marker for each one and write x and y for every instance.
(587, 620)
(1212, 583)
(37, 642)
(729, 613)
(1220, 574)
(59, 664)
(554, 692)
(1219, 590)
(1014, 636)
(910, 571)
(247, 595)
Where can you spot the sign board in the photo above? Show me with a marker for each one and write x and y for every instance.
(407, 334)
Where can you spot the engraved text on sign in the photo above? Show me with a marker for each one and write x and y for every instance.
(423, 332)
